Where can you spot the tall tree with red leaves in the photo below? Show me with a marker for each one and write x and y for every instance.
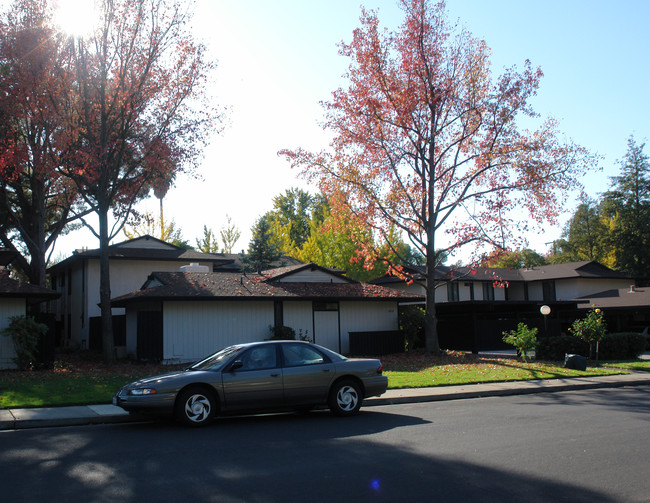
(36, 202)
(135, 117)
(425, 140)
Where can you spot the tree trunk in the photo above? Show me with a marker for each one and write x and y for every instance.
(430, 317)
(108, 346)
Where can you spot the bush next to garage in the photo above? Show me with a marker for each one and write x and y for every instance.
(554, 348)
(283, 333)
(25, 333)
(621, 346)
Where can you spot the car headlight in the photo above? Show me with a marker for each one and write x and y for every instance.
(142, 391)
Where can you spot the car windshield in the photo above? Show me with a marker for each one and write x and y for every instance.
(216, 360)
(334, 356)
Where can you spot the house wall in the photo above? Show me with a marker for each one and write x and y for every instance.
(78, 302)
(126, 277)
(360, 316)
(309, 276)
(193, 330)
(300, 317)
(9, 307)
(573, 288)
(567, 289)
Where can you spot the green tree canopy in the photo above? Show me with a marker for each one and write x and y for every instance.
(626, 208)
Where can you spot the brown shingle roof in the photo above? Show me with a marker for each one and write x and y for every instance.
(229, 286)
(585, 269)
(12, 288)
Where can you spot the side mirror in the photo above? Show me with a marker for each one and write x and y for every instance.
(237, 364)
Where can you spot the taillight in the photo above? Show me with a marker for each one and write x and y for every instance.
(380, 368)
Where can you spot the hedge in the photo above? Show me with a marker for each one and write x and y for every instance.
(554, 348)
(616, 346)
(622, 346)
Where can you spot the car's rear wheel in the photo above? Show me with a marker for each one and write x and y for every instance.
(196, 407)
(345, 398)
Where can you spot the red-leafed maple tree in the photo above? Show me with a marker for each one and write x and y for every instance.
(36, 202)
(135, 116)
(426, 140)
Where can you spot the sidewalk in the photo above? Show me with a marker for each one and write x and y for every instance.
(15, 419)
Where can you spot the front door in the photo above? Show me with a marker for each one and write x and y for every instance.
(326, 325)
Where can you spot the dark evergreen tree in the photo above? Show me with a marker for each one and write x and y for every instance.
(626, 206)
(262, 252)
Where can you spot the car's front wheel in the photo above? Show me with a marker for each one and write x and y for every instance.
(195, 407)
(345, 398)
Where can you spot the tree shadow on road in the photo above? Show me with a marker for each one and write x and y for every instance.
(288, 458)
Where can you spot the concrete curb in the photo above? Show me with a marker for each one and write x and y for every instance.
(16, 419)
(394, 397)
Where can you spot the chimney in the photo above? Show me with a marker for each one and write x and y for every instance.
(195, 267)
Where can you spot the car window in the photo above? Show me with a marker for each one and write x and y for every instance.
(216, 360)
(300, 354)
(259, 357)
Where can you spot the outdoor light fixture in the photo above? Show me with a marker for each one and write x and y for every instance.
(545, 310)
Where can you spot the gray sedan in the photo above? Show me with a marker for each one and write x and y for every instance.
(257, 377)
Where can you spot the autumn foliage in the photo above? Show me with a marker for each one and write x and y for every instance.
(115, 113)
(427, 142)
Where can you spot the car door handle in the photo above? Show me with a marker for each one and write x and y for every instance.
(275, 375)
(326, 370)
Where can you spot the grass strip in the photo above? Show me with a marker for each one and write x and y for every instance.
(495, 371)
(96, 384)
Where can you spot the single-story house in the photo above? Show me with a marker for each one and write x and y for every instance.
(625, 309)
(475, 305)
(77, 280)
(183, 316)
(15, 298)
(549, 283)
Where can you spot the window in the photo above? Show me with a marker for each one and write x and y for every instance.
(548, 291)
(471, 290)
(259, 358)
(452, 292)
(326, 306)
(488, 290)
(296, 355)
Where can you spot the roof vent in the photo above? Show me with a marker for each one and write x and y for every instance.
(195, 267)
(632, 289)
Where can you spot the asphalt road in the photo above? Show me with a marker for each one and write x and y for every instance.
(579, 446)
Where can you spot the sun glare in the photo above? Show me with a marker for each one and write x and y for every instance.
(76, 17)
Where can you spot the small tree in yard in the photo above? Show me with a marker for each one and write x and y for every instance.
(591, 329)
(524, 339)
(25, 333)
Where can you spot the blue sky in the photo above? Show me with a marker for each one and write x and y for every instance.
(278, 59)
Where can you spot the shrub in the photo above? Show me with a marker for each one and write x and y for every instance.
(554, 348)
(622, 346)
(25, 333)
(524, 339)
(411, 323)
(283, 333)
(591, 329)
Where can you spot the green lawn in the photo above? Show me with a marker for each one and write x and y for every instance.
(638, 365)
(85, 381)
(39, 389)
(497, 371)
